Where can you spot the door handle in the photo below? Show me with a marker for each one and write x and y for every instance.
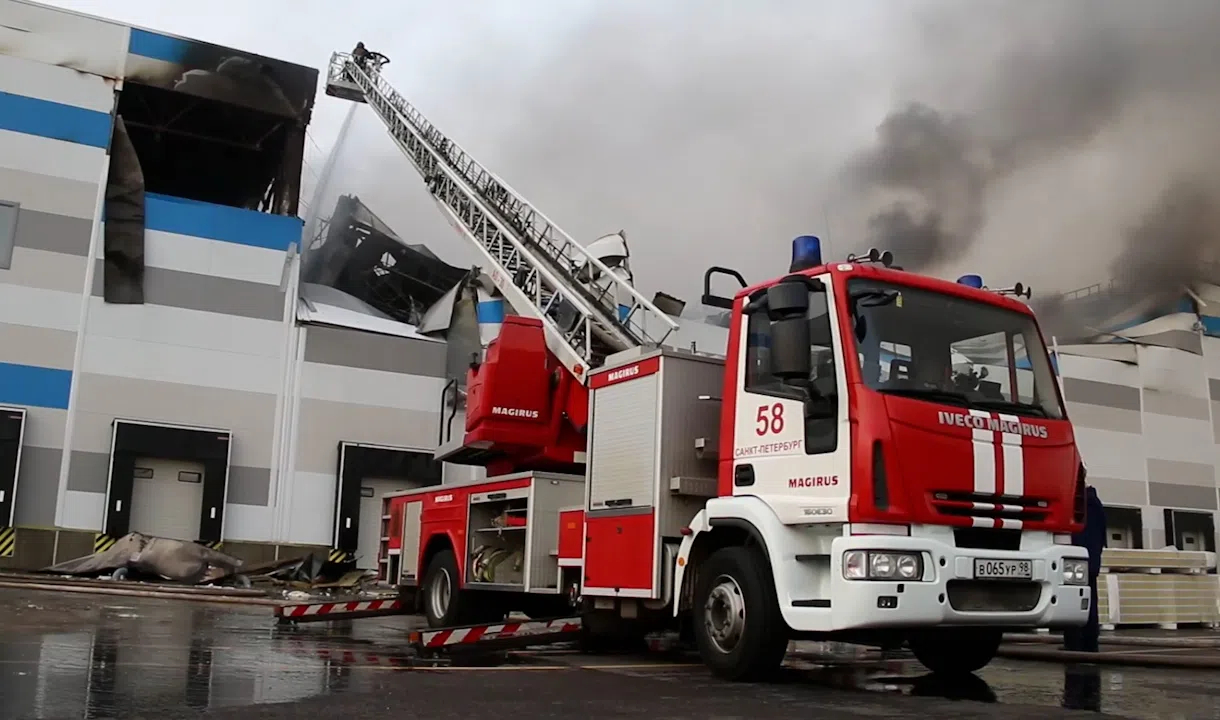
(743, 475)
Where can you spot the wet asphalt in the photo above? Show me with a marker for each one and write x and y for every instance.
(83, 656)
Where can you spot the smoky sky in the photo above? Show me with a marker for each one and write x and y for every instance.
(1045, 142)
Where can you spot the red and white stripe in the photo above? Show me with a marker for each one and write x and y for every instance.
(999, 468)
(503, 631)
(339, 608)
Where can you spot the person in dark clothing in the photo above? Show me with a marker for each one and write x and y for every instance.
(361, 55)
(1093, 539)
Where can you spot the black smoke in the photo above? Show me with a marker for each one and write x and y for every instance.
(1059, 80)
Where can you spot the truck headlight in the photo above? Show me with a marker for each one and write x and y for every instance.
(882, 565)
(1075, 572)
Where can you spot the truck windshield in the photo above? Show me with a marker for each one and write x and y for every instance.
(945, 349)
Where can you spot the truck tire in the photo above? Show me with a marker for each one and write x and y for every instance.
(956, 651)
(737, 624)
(444, 602)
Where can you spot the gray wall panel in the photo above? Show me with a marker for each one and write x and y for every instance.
(53, 233)
(1182, 496)
(249, 485)
(1100, 393)
(357, 349)
(193, 291)
(38, 486)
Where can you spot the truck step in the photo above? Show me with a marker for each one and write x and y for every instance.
(496, 636)
(317, 612)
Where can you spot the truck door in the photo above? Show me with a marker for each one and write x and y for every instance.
(791, 434)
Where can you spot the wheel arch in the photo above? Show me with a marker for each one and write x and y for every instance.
(707, 536)
(436, 544)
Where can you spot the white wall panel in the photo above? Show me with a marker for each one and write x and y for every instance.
(163, 362)
(60, 37)
(58, 158)
(1174, 438)
(41, 308)
(311, 509)
(44, 427)
(49, 194)
(211, 257)
(29, 78)
(1111, 454)
(46, 270)
(188, 328)
(1211, 355)
(83, 510)
(1173, 371)
(251, 523)
(358, 386)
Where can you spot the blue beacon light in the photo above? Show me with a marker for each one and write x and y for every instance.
(974, 281)
(806, 253)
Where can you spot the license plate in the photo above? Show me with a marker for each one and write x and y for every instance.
(1003, 569)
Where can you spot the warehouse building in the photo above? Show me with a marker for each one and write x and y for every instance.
(1142, 386)
(161, 368)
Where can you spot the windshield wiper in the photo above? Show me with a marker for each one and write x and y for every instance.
(931, 394)
(1017, 407)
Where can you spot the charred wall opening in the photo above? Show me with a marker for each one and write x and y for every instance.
(214, 150)
(360, 255)
(201, 123)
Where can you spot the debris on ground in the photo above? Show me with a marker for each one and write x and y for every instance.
(313, 576)
(137, 557)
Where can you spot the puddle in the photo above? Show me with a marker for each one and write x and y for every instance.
(161, 656)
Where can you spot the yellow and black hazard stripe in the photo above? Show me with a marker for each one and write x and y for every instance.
(339, 556)
(8, 540)
(103, 542)
(213, 544)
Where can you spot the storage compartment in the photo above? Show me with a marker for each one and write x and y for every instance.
(653, 418)
(620, 553)
(499, 522)
(514, 534)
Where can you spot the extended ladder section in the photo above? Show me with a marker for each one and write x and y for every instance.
(587, 309)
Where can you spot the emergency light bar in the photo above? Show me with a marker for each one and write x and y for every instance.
(806, 253)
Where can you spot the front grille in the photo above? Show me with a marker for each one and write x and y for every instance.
(995, 509)
(993, 595)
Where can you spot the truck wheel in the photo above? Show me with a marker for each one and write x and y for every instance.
(738, 628)
(445, 604)
(439, 593)
(956, 651)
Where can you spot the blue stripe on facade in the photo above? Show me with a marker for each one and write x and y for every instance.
(490, 312)
(221, 222)
(34, 386)
(44, 118)
(157, 46)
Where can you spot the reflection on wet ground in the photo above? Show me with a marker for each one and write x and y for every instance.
(74, 656)
(100, 657)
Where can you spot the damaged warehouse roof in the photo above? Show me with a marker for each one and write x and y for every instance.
(359, 273)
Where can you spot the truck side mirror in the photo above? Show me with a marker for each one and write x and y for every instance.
(787, 306)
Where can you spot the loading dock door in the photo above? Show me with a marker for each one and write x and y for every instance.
(357, 462)
(132, 440)
(166, 498)
(12, 434)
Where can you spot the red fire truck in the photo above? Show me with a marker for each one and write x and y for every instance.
(879, 457)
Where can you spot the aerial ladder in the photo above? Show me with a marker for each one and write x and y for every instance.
(588, 311)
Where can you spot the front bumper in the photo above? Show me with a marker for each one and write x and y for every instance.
(948, 594)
